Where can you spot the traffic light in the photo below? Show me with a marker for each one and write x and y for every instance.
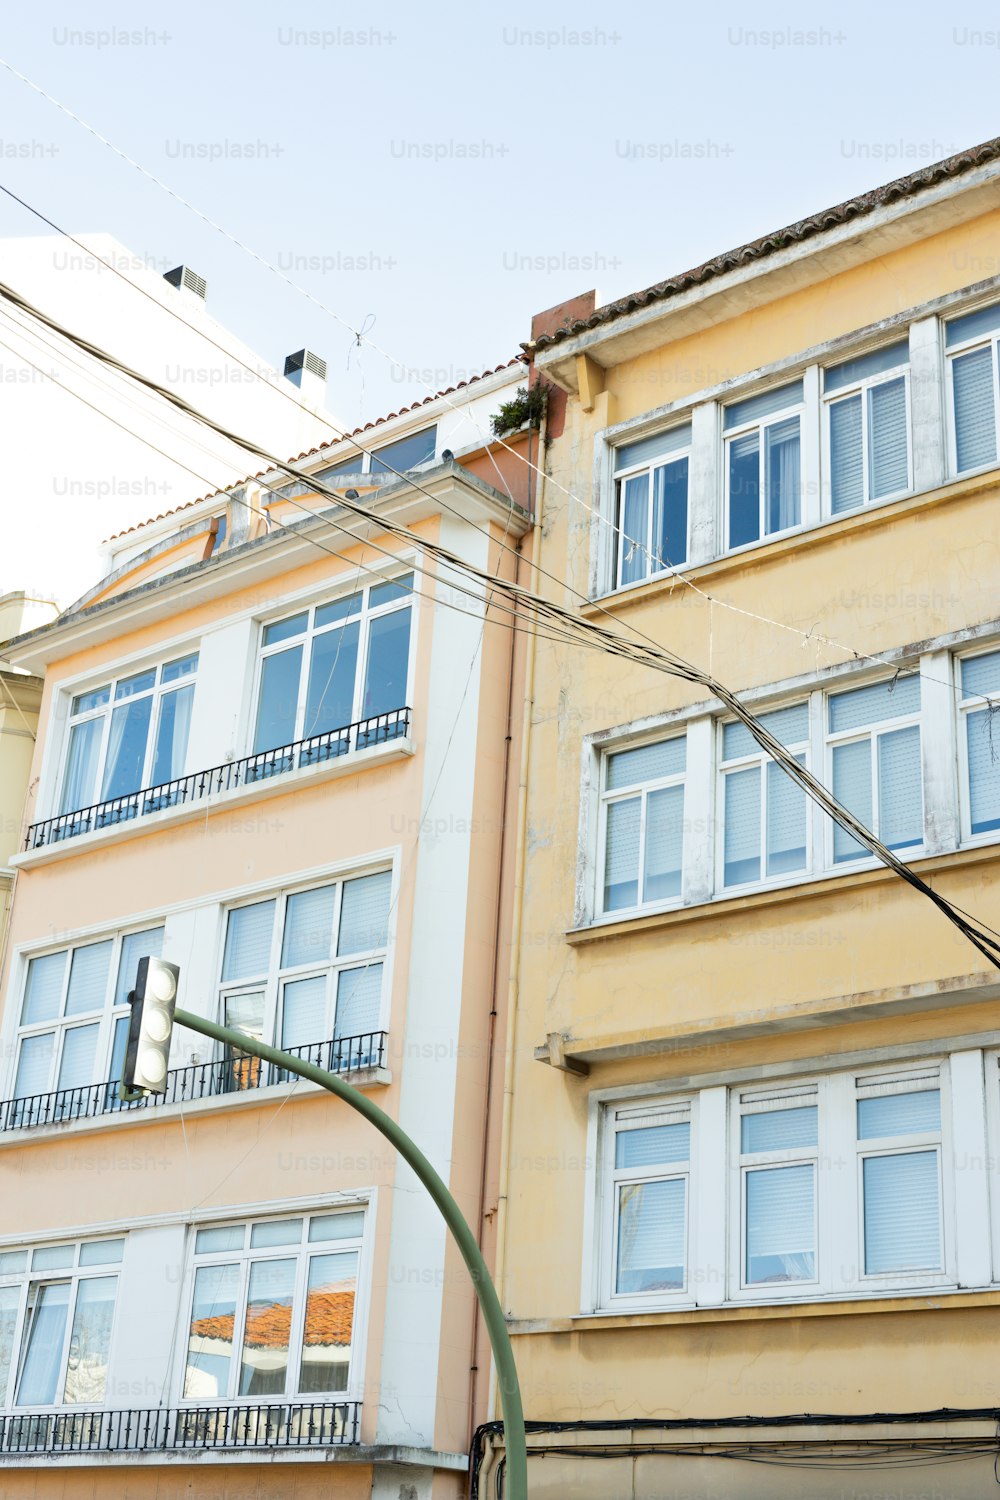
(149, 1029)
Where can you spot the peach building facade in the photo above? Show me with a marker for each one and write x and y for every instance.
(274, 748)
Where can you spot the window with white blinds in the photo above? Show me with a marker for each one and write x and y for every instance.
(764, 831)
(648, 1159)
(779, 1143)
(73, 1021)
(873, 737)
(763, 464)
(651, 488)
(971, 347)
(899, 1146)
(868, 428)
(642, 825)
(306, 966)
(979, 741)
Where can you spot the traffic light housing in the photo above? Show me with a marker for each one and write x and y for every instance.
(150, 1027)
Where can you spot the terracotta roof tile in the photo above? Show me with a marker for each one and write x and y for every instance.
(779, 239)
(329, 1318)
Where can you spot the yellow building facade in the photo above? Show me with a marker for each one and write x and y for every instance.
(750, 1230)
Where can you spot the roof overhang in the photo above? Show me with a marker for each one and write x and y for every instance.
(764, 278)
(447, 488)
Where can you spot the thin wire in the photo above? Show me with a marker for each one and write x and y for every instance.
(584, 632)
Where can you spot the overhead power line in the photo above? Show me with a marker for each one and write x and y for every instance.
(562, 622)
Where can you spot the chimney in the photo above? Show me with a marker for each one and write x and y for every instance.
(191, 286)
(308, 372)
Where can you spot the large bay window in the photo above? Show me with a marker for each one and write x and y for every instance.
(332, 665)
(273, 1308)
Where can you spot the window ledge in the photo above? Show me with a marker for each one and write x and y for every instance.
(604, 929)
(834, 1307)
(877, 513)
(346, 1453)
(360, 1078)
(216, 802)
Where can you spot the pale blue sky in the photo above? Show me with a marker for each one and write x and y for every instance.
(540, 188)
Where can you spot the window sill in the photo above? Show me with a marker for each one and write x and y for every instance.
(272, 786)
(876, 513)
(362, 1079)
(364, 1454)
(730, 1312)
(860, 873)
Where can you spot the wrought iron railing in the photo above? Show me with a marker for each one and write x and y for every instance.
(227, 1075)
(378, 730)
(287, 1424)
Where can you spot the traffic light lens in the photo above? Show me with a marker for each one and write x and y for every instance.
(160, 984)
(157, 1025)
(153, 1066)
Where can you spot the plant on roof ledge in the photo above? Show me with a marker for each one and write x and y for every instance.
(526, 405)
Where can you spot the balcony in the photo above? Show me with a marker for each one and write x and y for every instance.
(187, 791)
(227, 1076)
(287, 1424)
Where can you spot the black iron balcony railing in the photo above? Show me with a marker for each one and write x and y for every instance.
(287, 1424)
(330, 745)
(228, 1075)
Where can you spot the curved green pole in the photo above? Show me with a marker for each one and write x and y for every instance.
(496, 1327)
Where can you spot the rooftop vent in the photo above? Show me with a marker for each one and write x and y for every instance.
(308, 372)
(186, 280)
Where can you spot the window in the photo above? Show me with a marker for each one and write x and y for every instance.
(764, 832)
(778, 1160)
(868, 427)
(651, 484)
(763, 464)
(410, 452)
(74, 1024)
(899, 1150)
(971, 345)
(129, 733)
(980, 680)
(643, 825)
(874, 738)
(648, 1162)
(306, 968)
(332, 665)
(57, 1306)
(272, 1311)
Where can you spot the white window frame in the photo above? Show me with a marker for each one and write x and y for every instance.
(760, 424)
(302, 1252)
(157, 693)
(765, 1101)
(106, 1016)
(274, 979)
(949, 355)
(624, 794)
(364, 459)
(872, 732)
(758, 757)
(964, 707)
(619, 477)
(305, 638)
(991, 1070)
(27, 1278)
(908, 1081)
(856, 388)
(618, 1119)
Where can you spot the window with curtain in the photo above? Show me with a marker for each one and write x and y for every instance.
(57, 1305)
(873, 735)
(971, 348)
(648, 1165)
(129, 734)
(899, 1150)
(979, 737)
(765, 815)
(272, 1311)
(779, 1142)
(763, 464)
(329, 666)
(868, 428)
(306, 968)
(73, 1023)
(651, 488)
(642, 817)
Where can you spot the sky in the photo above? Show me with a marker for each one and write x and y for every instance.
(432, 176)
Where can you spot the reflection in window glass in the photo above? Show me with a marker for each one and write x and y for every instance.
(90, 1342)
(210, 1339)
(329, 1321)
(43, 1341)
(267, 1330)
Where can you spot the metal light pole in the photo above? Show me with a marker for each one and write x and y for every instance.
(489, 1302)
